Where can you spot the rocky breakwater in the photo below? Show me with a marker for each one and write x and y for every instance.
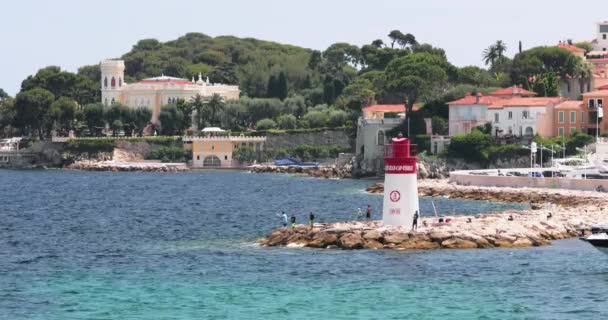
(119, 166)
(327, 172)
(535, 196)
(572, 214)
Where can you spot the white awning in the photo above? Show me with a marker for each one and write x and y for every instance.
(213, 129)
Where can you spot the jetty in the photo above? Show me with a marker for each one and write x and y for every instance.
(555, 214)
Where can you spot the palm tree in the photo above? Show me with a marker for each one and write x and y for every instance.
(215, 104)
(500, 48)
(197, 103)
(489, 55)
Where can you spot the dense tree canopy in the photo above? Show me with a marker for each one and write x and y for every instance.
(416, 76)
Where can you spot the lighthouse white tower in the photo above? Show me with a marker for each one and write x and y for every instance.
(400, 184)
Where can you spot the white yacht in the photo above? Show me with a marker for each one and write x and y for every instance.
(599, 238)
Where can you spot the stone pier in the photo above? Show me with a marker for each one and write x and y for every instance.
(572, 214)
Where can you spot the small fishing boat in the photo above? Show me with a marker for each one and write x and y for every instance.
(599, 238)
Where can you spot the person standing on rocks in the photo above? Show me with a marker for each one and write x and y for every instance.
(415, 222)
(293, 221)
(284, 219)
(311, 219)
(368, 213)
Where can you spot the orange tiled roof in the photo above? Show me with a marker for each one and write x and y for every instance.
(471, 99)
(524, 102)
(570, 47)
(570, 104)
(596, 93)
(512, 91)
(389, 108)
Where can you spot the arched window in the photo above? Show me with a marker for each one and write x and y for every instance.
(105, 82)
(212, 161)
(113, 101)
(113, 82)
(529, 131)
(380, 140)
(120, 81)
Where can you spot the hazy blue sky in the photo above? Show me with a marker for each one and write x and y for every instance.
(71, 33)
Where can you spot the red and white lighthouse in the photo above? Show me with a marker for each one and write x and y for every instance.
(400, 183)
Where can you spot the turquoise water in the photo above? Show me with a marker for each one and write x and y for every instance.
(90, 245)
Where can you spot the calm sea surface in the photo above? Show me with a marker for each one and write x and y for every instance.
(89, 245)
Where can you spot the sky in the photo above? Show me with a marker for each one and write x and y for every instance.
(72, 33)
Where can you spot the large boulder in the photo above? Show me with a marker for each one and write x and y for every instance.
(439, 236)
(298, 239)
(373, 235)
(351, 241)
(276, 238)
(373, 244)
(457, 243)
(396, 238)
(417, 245)
(323, 239)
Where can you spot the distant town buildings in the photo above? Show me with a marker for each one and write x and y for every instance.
(155, 92)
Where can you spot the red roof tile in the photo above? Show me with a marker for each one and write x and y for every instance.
(173, 82)
(570, 47)
(470, 99)
(525, 102)
(570, 104)
(388, 108)
(512, 91)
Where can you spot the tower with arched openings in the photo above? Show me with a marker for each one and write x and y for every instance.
(112, 80)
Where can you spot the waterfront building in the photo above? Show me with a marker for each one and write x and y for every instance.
(523, 117)
(591, 101)
(569, 116)
(152, 93)
(216, 147)
(469, 112)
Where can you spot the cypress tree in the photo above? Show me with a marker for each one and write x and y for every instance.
(281, 88)
(271, 88)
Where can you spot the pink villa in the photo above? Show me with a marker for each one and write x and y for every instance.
(511, 111)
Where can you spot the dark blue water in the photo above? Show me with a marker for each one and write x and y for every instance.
(85, 245)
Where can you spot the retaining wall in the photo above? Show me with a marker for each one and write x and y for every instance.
(466, 178)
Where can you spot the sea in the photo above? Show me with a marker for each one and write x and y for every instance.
(102, 245)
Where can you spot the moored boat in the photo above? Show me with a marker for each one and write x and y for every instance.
(599, 238)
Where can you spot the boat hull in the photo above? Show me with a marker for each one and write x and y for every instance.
(600, 244)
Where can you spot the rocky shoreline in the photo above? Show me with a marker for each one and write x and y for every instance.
(327, 172)
(120, 166)
(572, 215)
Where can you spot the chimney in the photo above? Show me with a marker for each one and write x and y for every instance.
(570, 41)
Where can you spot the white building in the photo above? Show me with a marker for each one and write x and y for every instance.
(155, 92)
(601, 42)
(523, 116)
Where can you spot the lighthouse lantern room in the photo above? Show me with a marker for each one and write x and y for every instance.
(400, 183)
